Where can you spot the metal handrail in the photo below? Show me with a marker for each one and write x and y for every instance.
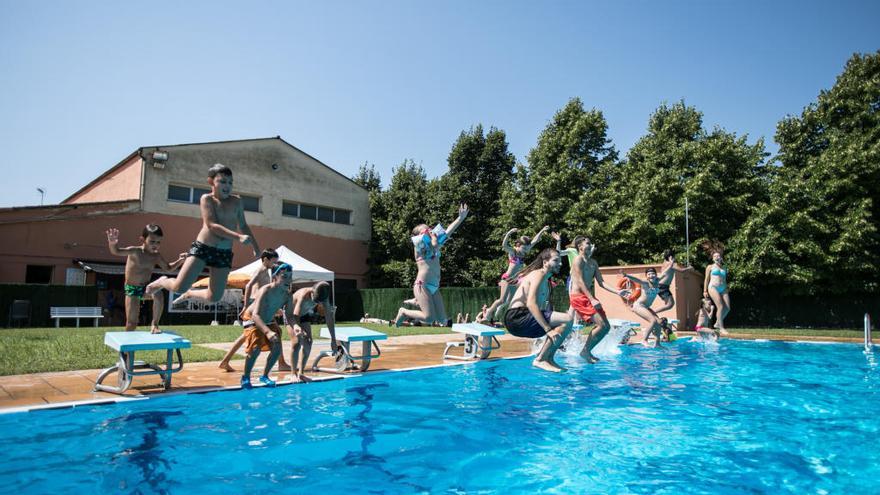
(868, 341)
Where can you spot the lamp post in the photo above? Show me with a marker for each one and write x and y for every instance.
(42, 194)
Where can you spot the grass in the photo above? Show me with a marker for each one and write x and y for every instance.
(36, 350)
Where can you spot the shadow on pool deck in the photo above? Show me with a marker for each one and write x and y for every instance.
(40, 389)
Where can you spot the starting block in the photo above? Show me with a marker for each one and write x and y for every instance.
(478, 341)
(127, 343)
(347, 362)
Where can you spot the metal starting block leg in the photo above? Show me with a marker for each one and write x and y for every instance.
(349, 363)
(474, 348)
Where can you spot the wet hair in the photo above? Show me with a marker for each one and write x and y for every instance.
(268, 254)
(321, 291)
(668, 254)
(219, 169)
(152, 229)
(711, 247)
(524, 240)
(650, 269)
(419, 228)
(706, 301)
(538, 263)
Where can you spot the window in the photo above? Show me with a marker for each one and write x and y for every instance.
(312, 212)
(290, 209)
(186, 194)
(250, 203)
(308, 211)
(343, 217)
(38, 274)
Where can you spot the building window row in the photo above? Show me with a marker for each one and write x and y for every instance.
(186, 194)
(314, 212)
(192, 195)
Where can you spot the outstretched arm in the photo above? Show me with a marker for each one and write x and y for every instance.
(537, 237)
(601, 282)
(174, 265)
(505, 243)
(558, 238)
(113, 243)
(462, 214)
(246, 230)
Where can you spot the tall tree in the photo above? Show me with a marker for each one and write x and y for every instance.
(722, 176)
(818, 232)
(567, 169)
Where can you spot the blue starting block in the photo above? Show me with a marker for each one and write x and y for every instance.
(346, 362)
(127, 344)
(478, 341)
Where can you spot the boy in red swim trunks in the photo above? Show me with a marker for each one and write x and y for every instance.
(584, 270)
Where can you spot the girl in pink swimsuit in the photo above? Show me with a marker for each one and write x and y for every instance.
(515, 256)
(427, 285)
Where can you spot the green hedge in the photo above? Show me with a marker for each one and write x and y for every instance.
(42, 297)
(770, 307)
(384, 303)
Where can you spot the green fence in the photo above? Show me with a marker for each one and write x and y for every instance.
(384, 303)
(42, 296)
(771, 308)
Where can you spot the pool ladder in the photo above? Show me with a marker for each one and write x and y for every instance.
(868, 342)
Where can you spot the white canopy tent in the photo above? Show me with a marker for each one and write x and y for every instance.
(303, 269)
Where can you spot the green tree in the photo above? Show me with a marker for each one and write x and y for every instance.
(398, 210)
(722, 176)
(567, 170)
(818, 232)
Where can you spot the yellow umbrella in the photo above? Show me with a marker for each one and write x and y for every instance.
(235, 281)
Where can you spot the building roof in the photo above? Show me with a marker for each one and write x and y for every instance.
(164, 146)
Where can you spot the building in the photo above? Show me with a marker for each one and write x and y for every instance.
(290, 198)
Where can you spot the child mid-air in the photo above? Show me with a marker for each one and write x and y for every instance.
(139, 264)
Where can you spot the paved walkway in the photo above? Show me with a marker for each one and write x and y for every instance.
(72, 386)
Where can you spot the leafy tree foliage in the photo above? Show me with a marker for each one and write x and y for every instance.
(818, 231)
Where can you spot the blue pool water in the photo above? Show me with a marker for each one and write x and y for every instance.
(742, 417)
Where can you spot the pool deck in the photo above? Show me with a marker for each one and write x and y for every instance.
(66, 388)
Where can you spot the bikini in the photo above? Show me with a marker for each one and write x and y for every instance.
(513, 262)
(722, 273)
(431, 287)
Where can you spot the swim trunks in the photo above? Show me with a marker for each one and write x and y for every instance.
(584, 307)
(664, 292)
(521, 323)
(254, 338)
(135, 290)
(212, 256)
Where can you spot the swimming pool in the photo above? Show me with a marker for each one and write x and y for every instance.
(742, 417)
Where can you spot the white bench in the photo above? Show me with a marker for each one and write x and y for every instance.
(127, 343)
(477, 343)
(58, 312)
(345, 336)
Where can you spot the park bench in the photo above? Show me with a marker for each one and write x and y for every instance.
(477, 343)
(59, 312)
(347, 362)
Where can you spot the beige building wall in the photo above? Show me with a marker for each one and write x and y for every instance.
(296, 177)
(119, 184)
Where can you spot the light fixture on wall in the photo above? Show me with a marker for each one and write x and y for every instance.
(275, 166)
(159, 159)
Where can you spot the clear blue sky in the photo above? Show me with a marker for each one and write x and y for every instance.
(82, 84)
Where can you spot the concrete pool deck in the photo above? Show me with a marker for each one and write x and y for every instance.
(66, 388)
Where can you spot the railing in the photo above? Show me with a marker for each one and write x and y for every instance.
(868, 342)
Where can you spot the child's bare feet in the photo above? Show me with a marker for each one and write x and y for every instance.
(224, 365)
(399, 320)
(546, 366)
(180, 298)
(284, 367)
(304, 379)
(295, 378)
(155, 329)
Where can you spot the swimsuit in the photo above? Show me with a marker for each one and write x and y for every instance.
(520, 322)
(513, 261)
(431, 288)
(722, 273)
(664, 292)
(213, 257)
(137, 291)
(584, 307)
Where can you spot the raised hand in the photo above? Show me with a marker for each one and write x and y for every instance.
(463, 211)
(556, 236)
(112, 236)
